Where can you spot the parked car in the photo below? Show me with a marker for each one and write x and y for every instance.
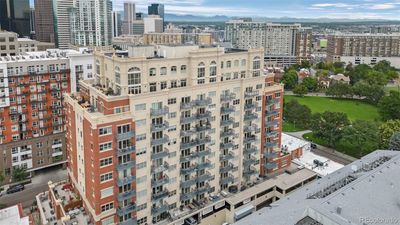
(190, 221)
(16, 188)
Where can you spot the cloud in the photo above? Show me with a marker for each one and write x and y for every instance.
(383, 6)
(337, 5)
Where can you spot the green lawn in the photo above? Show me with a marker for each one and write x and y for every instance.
(290, 127)
(310, 137)
(355, 109)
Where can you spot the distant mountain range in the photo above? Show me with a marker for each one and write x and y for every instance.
(221, 18)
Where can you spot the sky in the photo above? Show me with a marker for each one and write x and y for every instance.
(352, 9)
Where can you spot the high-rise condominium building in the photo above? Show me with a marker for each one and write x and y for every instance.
(15, 16)
(44, 20)
(91, 22)
(156, 9)
(277, 40)
(364, 48)
(129, 18)
(165, 128)
(62, 29)
(32, 128)
(116, 24)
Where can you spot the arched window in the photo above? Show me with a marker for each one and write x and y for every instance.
(134, 80)
(201, 70)
(256, 63)
(173, 69)
(228, 64)
(183, 68)
(213, 69)
(117, 75)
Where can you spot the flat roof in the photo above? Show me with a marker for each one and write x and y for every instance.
(365, 189)
(13, 215)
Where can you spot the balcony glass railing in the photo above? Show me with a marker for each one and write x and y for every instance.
(126, 195)
(125, 180)
(160, 141)
(228, 97)
(158, 210)
(226, 145)
(228, 122)
(124, 136)
(127, 150)
(227, 180)
(227, 109)
(162, 180)
(159, 112)
(270, 165)
(126, 165)
(161, 168)
(251, 94)
(160, 195)
(270, 155)
(159, 155)
(159, 127)
(203, 102)
(251, 116)
(127, 209)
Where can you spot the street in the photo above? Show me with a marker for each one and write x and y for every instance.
(326, 152)
(39, 184)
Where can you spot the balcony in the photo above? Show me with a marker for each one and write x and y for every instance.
(126, 165)
(250, 128)
(203, 102)
(270, 155)
(124, 136)
(127, 209)
(159, 155)
(228, 97)
(187, 132)
(249, 172)
(204, 177)
(188, 170)
(228, 156)
(226, 145)
(270, 165)
(227, 109)
(160, 141)
(187, 183)
(229, 167)
(126, 195)
(249, 161)
(250, 139)
(227, 180)
(125, 180)
(160, 168)
(250, 106)
(159, 127)
(271, 134)
(187, 105)
(203, 165)
(128, 222)
(271, 123)
(195, 192)
(251, 94)
(272, 113)
(195, 142)
(159, 181)
(159, 112)
(205, 115)
(188, 119)
(251, 116)
(227, 133)
(250, 150)
(160, 195)
(228, 122)
(127, 150)
(269, 144)
(272, 101)
(205, 127)
(158, 210)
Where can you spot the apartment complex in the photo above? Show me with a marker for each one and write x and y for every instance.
(277, 40)
(164, 127)
(91, 22)
(8, 43)
(32, 120)
(177, 38)
(364, 48)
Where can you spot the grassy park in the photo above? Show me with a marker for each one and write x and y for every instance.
(355, 109)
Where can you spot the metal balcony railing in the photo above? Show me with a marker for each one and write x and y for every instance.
(228, 97)
(124, 136)
(251, 94)
(251, 116)
(160, 141)
(126, 195)
(228, 122)
(127, 150)
(159, 112)
(159, 127)
(159, 155)
(126, 165)
(121, 211)
(227, 109)
(121, 181)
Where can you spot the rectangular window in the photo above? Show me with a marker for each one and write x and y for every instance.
(106, 177)
(105, 130)
(171, 101)
(106, 162)
(106, 192)
(107, 207)
(140, 107)
(105, 146)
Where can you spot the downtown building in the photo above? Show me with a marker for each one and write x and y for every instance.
(283, 44)
(164, 128)
(91, 22)
(364, 48)
(32, 120)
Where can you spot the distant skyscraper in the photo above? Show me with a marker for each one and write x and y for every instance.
(91, 22)
(129, 17)
(139, 16)
(15, 16)
(62, 23)
(116, 24)
(44, 20)
(156, 9)
(153, 24)
(32, 22)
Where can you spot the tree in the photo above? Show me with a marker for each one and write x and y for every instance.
(389, 106)
(371, 92)
(19, 174)
(290, 79)
(339, 90)
(297, 114)
(310, 83)
(394, 143)
(360, 138)
(386, 131)
(358, 73)
(329, 125)
(305, 64)
(300, 90)
(376, 77)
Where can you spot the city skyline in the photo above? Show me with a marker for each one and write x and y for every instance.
(351, 9)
